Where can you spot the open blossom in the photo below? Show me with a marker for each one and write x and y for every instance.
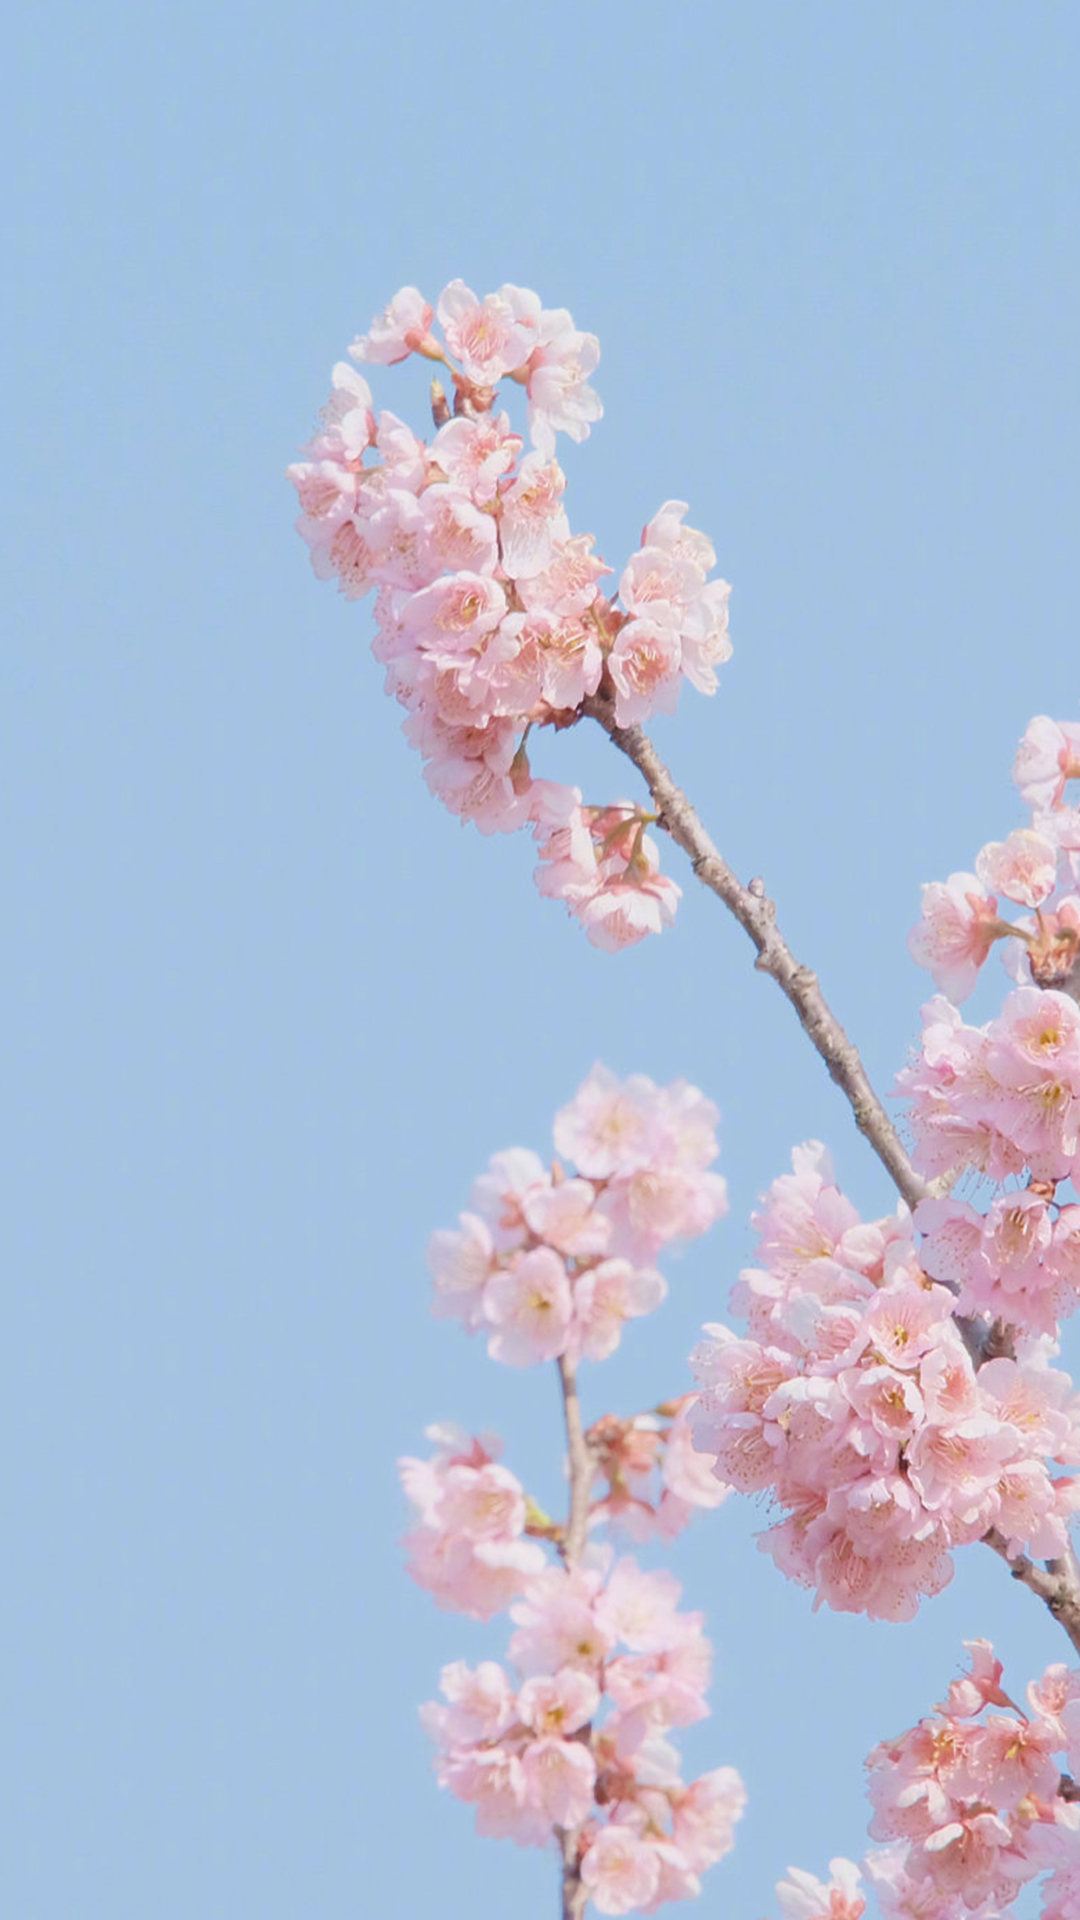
(397, 332)
(560, 397)
(956, 932)
(489, 615)
(1047, 758)
(1023, 867)
(802, 1897)
(490, 337)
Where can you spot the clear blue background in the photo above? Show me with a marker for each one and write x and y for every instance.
(268, 1009)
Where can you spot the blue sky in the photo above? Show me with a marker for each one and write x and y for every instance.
(270, 1008)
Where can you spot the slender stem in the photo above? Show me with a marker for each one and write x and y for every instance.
(1058, 1583)
(582, 1470)
(582, 1473)
(756, 914)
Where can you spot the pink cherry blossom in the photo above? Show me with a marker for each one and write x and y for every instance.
(608, 1295)
(396, 332)
(489, 337)
(620, 1870)
(802, 1897)
(1047, 758)
(558, 1703)
(1023, 867)
(560, 398)
(644, 663)
(530, 1306)
(958, 927)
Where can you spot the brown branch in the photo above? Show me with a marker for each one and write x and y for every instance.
(582, 1473)
(756, 914)
(1057, 1584)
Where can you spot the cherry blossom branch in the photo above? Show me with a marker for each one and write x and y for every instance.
(1057, 1584)
(756, 914)
(581, 1472)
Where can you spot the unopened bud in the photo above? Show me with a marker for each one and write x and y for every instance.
(440, 405)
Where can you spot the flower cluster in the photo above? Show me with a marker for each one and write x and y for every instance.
(574, 1750)
(971, 1798)
(1001, 1099)
(489, 614)
(1037, 867)
(856, 1401)
(468, 1548)
(972, 1807)
(655, 1476)
(610, 1667)
(551, 1264)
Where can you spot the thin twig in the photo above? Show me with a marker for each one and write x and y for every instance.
(756, 914)
(582, 1470)
(582, 1473)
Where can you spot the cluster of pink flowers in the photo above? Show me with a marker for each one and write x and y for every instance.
(656, 1478)
(468, 1547)
(611, 1667)
(552, 1264)
(490, 619)
(1002, 1099)
(574, 1751)
(972, 1805)
(1037, 867)
(971, 1798)
(855, 1400)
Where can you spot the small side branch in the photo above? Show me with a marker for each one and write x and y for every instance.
(1057, 1584)
(756, 914)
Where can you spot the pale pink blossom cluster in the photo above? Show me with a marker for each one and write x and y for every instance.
(468, 1547)
(999, 1098)
(1002, 1100)
(574, 1751)
(1037, 867)
(549, 1263)
(656, 1478)
(971, 1799)
(855, 1401)
(611, 1667)
(489, 615)
(972, 1805)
